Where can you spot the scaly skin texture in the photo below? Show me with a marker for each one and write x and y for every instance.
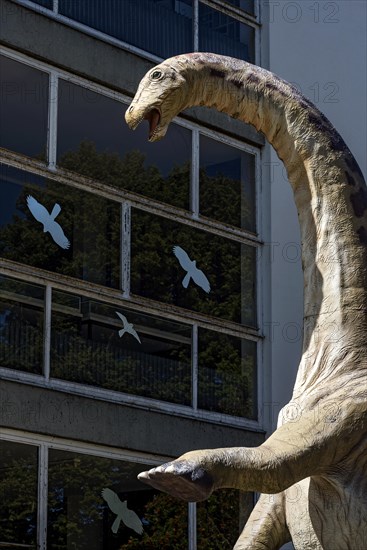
(312, 469)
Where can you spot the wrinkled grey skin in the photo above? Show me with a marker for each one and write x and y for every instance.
(312, 469)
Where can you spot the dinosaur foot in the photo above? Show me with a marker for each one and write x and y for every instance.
(183, 479)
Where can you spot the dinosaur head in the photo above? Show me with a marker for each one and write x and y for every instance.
(161, 95)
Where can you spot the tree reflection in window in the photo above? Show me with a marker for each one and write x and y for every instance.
(111, 153)
(228, 265)
(227, 374)
(79, 517)
(86, 348)
(227, 184)
(221, 519)
(92, 224)
(21, 325)
(18, 490)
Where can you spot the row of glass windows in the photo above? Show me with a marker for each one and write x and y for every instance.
(83, 240)
(115, 348)
(96, 503)
(165, 27)
(93, 140)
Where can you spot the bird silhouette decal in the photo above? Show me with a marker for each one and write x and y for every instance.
(128, 327)
(123, 513)
(48, 221)
(192, 271)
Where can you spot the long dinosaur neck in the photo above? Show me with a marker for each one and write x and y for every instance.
(328, 186)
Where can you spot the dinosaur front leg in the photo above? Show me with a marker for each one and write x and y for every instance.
(296, 450)
(266, 526)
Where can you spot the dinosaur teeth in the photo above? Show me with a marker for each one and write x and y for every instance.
(153, 117)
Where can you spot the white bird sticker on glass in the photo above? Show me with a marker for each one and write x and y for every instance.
(192, 271)
(123, 513)
(48, 221)
(128, 327)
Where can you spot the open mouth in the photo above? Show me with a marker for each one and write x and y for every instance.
(153, 117)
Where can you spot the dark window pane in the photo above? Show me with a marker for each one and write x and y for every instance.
(161, 27)
(23, 108)
(94, 140)
(97, 503)
(18, 490)
(228, 266)
(21, 325)
(227, 184)
(246, 5)
(89, 345)
(221, 519)
(219, 33)
(227, 374)
(44, 3)
(82, 240)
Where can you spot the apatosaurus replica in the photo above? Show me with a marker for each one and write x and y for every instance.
(312, 471)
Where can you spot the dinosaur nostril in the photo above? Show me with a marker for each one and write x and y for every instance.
(131, 108)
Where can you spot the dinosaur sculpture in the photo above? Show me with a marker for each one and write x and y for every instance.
(312, 471)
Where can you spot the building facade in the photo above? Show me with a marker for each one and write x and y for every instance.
(112, 360)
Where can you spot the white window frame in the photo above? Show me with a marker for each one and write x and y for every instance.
(122, 296)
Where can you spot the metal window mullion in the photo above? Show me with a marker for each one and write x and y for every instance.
(195, 22)
(55, 6)
(47, 332)
(194, 397)
(192, 526)
(52, 120)
(42, 497)
(125, 248)
(195, 162)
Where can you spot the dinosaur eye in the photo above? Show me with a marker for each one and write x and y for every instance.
(156, 75)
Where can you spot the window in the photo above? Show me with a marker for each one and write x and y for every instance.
(221, 518)
(97, 503)
(164, 28)
(225, 269)
(227, 374)
(94, 140)
(118, 349)
(58, 228)
(21, 325)
(23, 108)
(225, 35)
(227, 184)
(18, 490)
(161, 27)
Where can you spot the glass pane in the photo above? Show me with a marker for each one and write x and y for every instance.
(23, 108)
(161, 27)
(59, 228)
(227, 374)
(21, 325)
(107, 346)
(227, 184)
(219, 33)
(227, 266)
(221, 519)
(98, 504)
(18, 490)
(44, 3)
(94, 140)
(246, 5)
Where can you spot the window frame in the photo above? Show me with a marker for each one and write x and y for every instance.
(220, 5)
(127, 200)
